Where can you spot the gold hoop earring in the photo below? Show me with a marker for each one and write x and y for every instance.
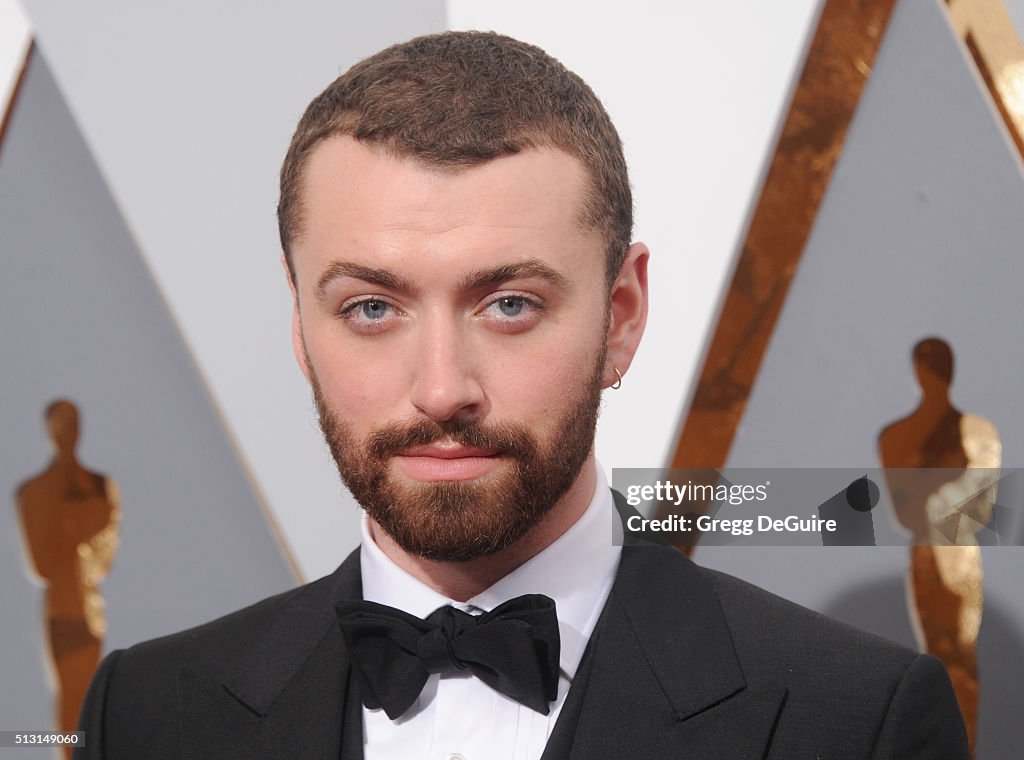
(618, 383)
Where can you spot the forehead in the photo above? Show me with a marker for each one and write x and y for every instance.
(364, 200)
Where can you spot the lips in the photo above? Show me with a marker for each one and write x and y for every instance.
(448, 451)
(446, 461)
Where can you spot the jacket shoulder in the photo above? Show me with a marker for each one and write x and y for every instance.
(785, 634)
(880, 697)
(213, 640)
(133, 701)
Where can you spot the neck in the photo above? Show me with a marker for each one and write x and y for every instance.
(936, 404)
(460, 581)
(64, 458)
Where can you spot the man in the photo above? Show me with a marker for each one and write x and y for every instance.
(456, 220)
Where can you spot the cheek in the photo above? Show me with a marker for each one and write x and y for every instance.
(539, 381)
(357, 384)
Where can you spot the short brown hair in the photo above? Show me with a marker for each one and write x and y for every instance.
(458, 99)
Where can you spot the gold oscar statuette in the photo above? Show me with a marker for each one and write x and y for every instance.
(70, 518)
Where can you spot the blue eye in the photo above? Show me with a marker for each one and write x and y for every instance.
(374, 310)
(369, 315)
(511, 306)
(512, 312)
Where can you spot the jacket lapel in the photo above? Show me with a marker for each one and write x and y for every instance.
(661, 665)
(284, 696)
(664, 668)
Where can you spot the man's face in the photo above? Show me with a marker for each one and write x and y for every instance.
(453, 327)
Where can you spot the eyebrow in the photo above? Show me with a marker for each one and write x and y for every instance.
(520, 270)
(381, 277)
(474, 281)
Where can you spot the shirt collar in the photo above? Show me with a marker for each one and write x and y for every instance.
(576, 570)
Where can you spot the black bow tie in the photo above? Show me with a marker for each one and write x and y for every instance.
(513, 649)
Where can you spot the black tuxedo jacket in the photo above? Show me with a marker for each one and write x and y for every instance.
(684, 663)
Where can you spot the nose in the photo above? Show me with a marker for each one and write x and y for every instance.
(446, 385)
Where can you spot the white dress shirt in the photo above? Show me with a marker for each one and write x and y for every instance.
(458, 716)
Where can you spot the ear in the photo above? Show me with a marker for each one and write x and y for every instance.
(628, 316)
(298, 345)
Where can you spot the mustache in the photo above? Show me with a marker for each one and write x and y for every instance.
(395, 437)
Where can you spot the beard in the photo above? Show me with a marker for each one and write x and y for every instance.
(460, 520)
